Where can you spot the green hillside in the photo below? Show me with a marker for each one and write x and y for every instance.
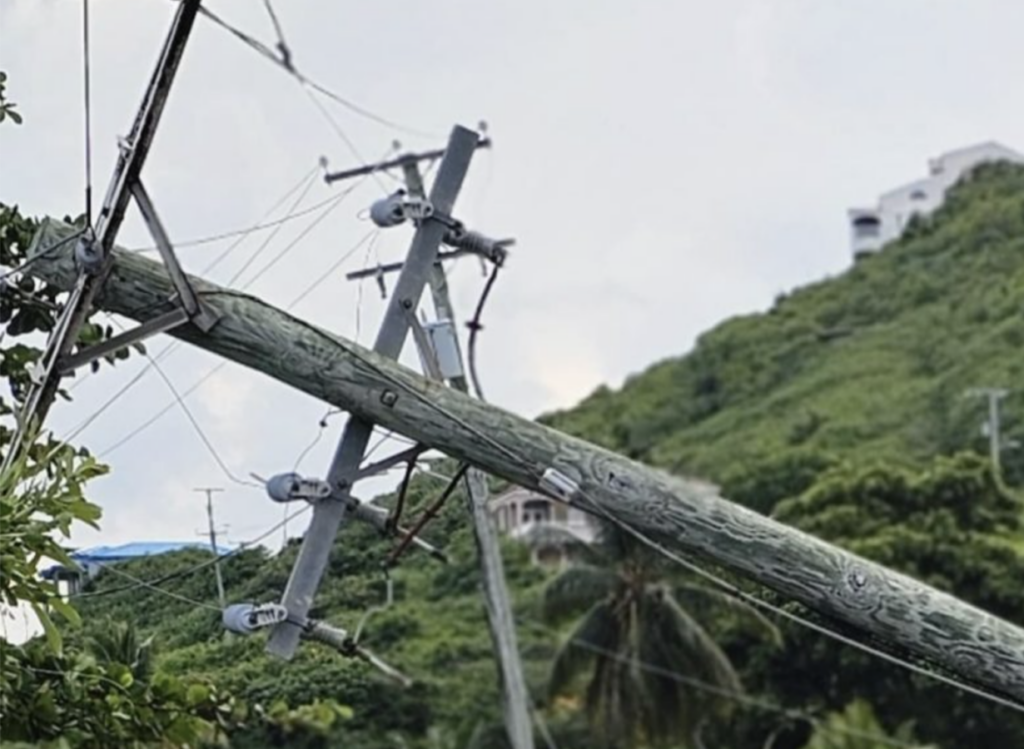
(838, 403)
(871, 364)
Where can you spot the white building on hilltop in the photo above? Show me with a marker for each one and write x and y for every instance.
(872, 228)
(550, 528)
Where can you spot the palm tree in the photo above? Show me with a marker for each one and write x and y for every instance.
(118, 642)
(652, 674)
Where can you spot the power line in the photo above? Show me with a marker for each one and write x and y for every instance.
(349, 144)
(277, 229)
(266, 52)
(87, 103)
(195, 568)
(475, 327)
(41, 254)
(803, 621)
(333, 202)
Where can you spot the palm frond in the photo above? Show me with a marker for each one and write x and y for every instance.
(576, 590)
(748, 612)
(596, 634)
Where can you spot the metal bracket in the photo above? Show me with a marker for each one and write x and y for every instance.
(426, 349)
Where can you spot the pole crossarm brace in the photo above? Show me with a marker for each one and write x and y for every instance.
(94, 247)
(398, 161)
(684, 515)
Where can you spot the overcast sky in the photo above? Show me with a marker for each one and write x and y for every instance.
(663, 166)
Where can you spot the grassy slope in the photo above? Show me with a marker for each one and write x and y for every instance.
(870, 364)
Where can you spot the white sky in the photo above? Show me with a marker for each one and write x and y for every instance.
(663, 166)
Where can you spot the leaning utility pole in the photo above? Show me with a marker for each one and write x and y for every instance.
(329, 513)
(498, 606)
(682, 515)
(209, 491)
(992, 428)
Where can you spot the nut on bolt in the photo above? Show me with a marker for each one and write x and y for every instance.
(389, 398)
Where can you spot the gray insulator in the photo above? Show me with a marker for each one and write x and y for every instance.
(389, 211)
(281, 487)
(239, 618)
(88, 255)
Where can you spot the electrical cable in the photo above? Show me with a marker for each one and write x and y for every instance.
(266, 52)
(87, 105)
(195, 568)
(475, 327)
(41, 254)
(349, 144)
(753, 600)
(195, 423)
(282, 46)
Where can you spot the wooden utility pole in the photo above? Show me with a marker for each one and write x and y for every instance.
(992, 427)
(498, 604)
(685, 516)
(209, 491)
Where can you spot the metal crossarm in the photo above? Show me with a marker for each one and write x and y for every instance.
(94, 251)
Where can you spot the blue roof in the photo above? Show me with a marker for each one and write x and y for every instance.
(138, 549)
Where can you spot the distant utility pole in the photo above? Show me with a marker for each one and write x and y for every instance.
(209, 491)
(992, 427)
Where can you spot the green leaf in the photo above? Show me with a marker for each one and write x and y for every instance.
(53, 637)
(66, 610)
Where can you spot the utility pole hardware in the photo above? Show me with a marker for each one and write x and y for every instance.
(93, 250)
(329, 513)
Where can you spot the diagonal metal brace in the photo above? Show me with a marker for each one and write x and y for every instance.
(201, 317)
(159, 324)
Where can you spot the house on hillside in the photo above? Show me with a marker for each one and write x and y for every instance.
(551, 529)
(873, 228)
(88, 562)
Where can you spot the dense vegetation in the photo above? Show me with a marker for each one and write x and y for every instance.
(840, 411)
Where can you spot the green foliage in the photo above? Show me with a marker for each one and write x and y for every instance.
(868, 365)
(856, 727)
(40, 498)
(8, 109)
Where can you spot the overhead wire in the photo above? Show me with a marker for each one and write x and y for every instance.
(475, 326)
(214, 559)
(87, 106)
(195, 423)
(289, 67)
(333, 202)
